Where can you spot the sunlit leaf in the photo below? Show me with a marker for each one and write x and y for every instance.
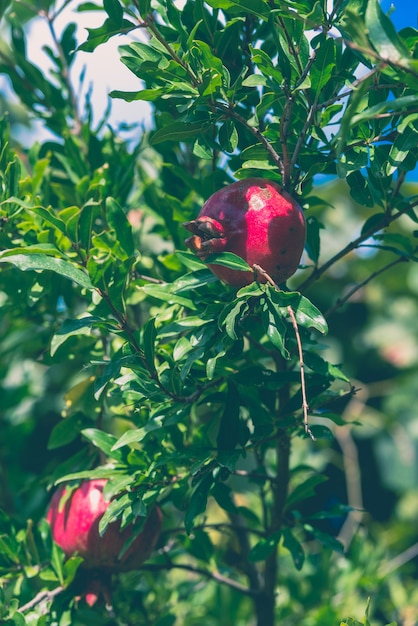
(42, 262)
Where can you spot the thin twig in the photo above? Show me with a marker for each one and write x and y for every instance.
(386, 220)
(339, 303)
(40, 597)
(231, 112)
(399, 560)
(212, 575)
(151, 27)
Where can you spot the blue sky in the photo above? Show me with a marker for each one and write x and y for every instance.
(405, 12)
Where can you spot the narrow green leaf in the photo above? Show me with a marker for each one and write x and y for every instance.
(161, 293)
(148, 336)
(147, 95)
(324, 64)
(43, 262)
(295, 548)
(198, 501)
(70, 328)
(228, 259)
(263, 548)
(228, 136)
(383, 35)
(253, 7)
(102, 34)
(50, 218)
(231, 316)
(190, 260)
(391, 106)
(313, 242)
(57, 557)
(100, 439)
(178, 131)
(117, 220)
(145, 51)
(308, 316)
(70, 568)
(275, 327)
(305, 490)
(114, 11)
(319, 365)
(65, 431)
(327, 540)
(138, 434)
(98, 472)
(114, 512)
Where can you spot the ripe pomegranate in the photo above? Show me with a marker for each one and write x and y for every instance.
(75, 527)
(256, 220)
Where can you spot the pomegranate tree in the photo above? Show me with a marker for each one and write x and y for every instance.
(256, 220)
(74, 518)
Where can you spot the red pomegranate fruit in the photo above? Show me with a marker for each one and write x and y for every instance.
(74, 522)
(256, 220)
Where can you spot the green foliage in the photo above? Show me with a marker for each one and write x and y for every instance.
(122, 355)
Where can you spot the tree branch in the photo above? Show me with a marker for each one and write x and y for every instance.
(212, 575)
(386, 220)
(40, 597)
(231, 112)
(339, 303)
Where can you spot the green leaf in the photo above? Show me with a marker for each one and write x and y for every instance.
(309, 316)
(383, 36)
(65, 431)
(57, 557)
(295, 548)
(145, 51)
(98, 472)
(275, 327)
(138, 434)
(198, 501)
(324, 64)
(70, 568)
(190, 260)
(313, 242)
(117, 220)
(305, 490)
(393, 106)
(319, 365)
(263, 548)
(114, 10)
(400, 149)
(32, 262)
(72, 328)
(228, 136)
(162, 293)
(148, 336)
(327, 540)
(147, 95)
(102, 34)
(253, 7)
(49, 216)
(228, 259)
(100, 439)
(229, 429)
(178, 131)
(231, 316)
(114, 511)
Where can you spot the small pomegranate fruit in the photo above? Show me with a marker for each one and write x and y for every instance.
(75, 528)
(256, 220)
